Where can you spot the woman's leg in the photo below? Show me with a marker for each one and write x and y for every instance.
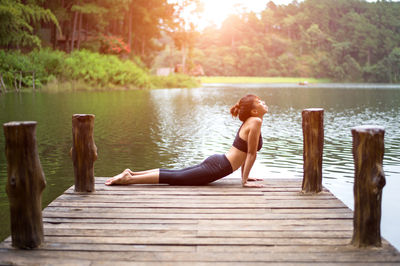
(126, 178)
(210, 170)
(142, 172)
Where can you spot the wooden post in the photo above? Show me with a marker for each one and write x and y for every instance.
(25, 184)
(83, 152)
(313, 144)
(369, 180)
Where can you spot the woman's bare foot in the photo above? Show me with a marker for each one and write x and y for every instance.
(256, 185)
(127, 170)
(251, 179)
(120, 179)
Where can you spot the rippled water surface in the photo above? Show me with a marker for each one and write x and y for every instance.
(179, 127)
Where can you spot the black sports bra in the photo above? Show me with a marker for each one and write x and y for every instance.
(241, 144)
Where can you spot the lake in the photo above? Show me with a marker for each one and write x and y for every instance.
(174, 128)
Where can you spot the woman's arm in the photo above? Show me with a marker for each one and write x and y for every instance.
(252, 144)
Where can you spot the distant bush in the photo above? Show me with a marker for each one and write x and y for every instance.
(104, 70)
(175, 81)
(45, 63)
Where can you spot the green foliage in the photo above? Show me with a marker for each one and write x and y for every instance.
(15, 65)
(175, 81)
(343, 40)
(134, 25)
(18, 21)
(88, 69)
(388, 69)
(47, 62)
(104, 70)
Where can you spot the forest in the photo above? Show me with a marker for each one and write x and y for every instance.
(343, 40)
(102, 43)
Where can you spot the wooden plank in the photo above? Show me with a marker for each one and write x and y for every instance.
(277, 205)
(243, 257)
(199, 233)
(253, 227)
(188, 198)
(195, 241)
(198, 216)
(229, 181)
(204, 223)
(333, 249)
(157, 210)
(50, 209)
(168, 193)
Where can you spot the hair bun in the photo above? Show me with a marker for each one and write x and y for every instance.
(235, 110)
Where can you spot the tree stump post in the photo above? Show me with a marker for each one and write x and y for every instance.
(25, 184)
(83, 152)
(313, 144)
(369, 180)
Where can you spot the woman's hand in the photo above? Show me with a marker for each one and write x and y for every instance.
(251, 179)
(256, 185)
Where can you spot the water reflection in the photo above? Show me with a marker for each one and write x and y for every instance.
(178, 128)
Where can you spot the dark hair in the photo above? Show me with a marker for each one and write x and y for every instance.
(243, 107)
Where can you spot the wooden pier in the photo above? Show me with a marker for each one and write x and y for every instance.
(221, 223)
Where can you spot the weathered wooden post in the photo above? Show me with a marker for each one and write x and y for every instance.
(83, 152)
(25, 184)
(369, 180)
(313, 144)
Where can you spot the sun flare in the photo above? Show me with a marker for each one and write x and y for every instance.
(216, 11)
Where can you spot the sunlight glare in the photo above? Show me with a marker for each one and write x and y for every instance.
(216, 11)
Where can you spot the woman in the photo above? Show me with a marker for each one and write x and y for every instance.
(250, 110)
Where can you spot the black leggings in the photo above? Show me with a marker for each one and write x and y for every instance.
(211, 169)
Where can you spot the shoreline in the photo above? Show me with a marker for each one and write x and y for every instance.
(79, 86)
(311, 85)
(261, 80)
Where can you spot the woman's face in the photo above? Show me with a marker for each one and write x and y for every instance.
(260, 107)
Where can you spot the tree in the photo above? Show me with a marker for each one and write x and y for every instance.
(79, 10)
(137, 23)
(18, 21)
(182, 30)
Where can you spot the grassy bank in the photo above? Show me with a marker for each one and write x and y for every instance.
(259, 80)
(81, 70)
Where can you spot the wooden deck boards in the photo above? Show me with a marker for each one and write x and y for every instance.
(219, 224)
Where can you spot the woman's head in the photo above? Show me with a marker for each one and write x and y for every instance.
(246, 107)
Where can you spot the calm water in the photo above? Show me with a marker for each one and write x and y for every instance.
(180, 127)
